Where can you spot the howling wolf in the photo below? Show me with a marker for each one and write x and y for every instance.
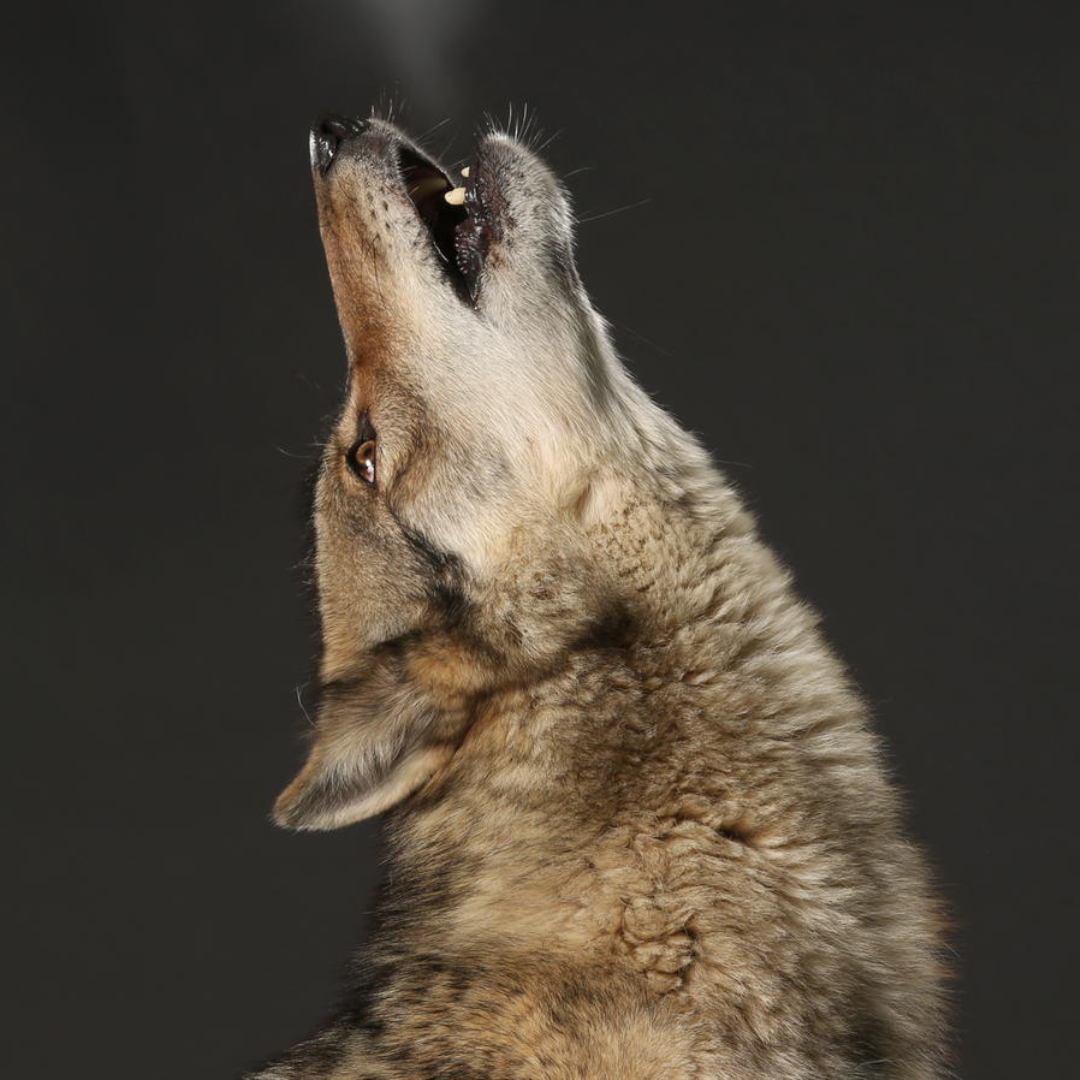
(638, 827)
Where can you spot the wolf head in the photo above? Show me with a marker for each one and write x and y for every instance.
(489, 450)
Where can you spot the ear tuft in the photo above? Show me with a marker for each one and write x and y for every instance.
(376, 742)
(320, 798)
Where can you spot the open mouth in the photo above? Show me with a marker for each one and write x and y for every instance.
(460, 220)
(456, 218)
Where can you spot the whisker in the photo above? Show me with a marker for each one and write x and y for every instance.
(303, 709)
(431, 130)
(617, 210)
(549, 140)
(289, 454)
(641, 337)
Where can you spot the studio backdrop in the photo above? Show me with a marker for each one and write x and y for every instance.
(838, 241)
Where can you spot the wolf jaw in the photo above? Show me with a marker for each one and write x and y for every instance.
(639, 826)
(459, 219)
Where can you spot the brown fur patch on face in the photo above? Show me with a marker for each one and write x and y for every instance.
(356, 256)
(451, 674)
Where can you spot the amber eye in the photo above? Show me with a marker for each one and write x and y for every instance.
(362, 460)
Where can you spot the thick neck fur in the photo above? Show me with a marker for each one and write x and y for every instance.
(701, 645)
(698, 758)
(667, 838)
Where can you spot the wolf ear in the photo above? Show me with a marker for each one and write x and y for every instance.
(376, 742)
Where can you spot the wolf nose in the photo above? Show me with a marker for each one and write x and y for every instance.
(327, 134)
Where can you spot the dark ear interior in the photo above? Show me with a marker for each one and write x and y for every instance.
(376, 742)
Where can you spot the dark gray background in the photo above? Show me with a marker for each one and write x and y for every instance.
(855, 275)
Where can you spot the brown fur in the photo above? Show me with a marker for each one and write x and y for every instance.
(639, 827)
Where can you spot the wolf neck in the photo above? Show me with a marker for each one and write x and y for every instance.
(703, 608)
(563, 781)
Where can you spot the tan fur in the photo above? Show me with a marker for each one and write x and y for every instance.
(640, 827)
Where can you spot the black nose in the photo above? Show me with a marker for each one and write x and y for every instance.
(327, 134)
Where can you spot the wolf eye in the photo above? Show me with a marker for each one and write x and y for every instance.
(361, 460)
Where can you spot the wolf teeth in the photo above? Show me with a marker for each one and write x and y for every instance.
(465, 172)
(455, 196)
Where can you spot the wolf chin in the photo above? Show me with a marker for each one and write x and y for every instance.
(638, 826)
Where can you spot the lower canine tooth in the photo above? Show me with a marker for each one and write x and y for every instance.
(456, 196)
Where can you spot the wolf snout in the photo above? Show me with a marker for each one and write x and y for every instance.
(327, 135)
